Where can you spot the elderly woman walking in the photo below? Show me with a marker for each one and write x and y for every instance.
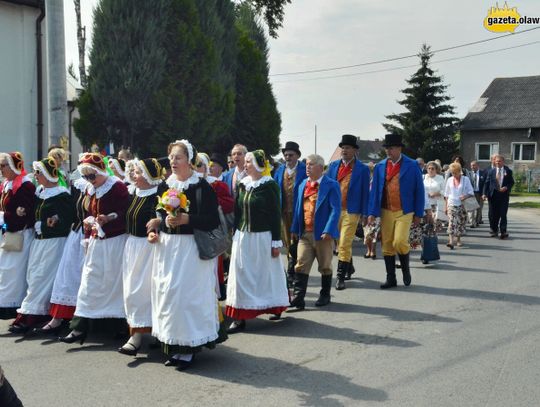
(458, 188)
(185, 313)
(256, 283)
(17, 201)
(54, 216)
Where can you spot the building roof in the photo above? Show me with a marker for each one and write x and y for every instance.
(507, 103)
(29, 3)
(368, 150)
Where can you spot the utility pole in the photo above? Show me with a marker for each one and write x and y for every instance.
(56, 68)
(315, 139)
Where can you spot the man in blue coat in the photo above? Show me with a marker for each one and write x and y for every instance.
(233, 177)
(497, 188)
(315, 223)
(353, 179)
(289, 176)
(398, 197)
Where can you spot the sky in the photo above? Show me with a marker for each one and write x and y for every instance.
(319, 34)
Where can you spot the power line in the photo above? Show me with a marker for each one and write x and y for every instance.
(408, 66)
(381, 61)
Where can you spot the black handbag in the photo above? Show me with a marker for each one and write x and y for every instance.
(214, 242)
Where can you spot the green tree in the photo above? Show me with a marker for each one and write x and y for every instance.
(257, 121)
(127, 65)
(428, 125)
(89, 127)
(272, 11)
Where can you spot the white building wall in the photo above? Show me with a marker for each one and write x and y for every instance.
(18, 81)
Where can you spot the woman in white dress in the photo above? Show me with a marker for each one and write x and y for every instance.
(54, 216)
(139, 253)
(17, 202)
(185, 315)
(100, 294)
(256, 284)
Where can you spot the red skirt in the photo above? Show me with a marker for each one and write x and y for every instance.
(61, 311)
(237, 313)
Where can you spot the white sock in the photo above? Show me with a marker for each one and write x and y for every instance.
(53, 323)
(74, 333)
(176, 356)
(135, 340)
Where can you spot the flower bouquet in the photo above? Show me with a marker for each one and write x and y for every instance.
(173, 201)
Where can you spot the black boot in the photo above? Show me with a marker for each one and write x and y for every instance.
(405, 269)
(290, 271)
(342, 268)
(390, 263)
(324, 295)
(300, 287)
(350, 271)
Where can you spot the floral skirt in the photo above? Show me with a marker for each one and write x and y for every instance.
(457, 219)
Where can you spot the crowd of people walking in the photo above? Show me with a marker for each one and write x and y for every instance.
(159, 242)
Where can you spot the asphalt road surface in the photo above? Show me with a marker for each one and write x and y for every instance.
(465, 333)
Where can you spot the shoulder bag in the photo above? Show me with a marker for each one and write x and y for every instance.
(214, 242)
(470, 204)
(12, 241)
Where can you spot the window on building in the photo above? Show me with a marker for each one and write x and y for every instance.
(484, 151)
(524, 151)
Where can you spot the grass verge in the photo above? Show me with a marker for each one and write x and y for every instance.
(526, 204)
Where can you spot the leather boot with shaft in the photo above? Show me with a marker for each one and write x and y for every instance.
(390, 263)
(342, 268)
(300, 287)
(324, 295)
(405, 269)
(350, 270)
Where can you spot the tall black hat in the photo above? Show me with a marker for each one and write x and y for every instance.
(291, 145)
(393, 140)
(348, 140)
(219, 159)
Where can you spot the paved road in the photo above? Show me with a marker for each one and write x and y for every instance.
(466, 333)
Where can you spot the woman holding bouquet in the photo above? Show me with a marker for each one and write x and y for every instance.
(257, 284)
(100, 294)
(185, 314)
(139, 253)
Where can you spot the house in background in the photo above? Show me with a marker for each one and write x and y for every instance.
(368, 150)
(505, 120)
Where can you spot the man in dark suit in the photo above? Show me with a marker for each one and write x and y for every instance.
(497, 188)
(478, 179)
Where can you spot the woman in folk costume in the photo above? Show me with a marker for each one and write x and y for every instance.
(139, 253)
(17, 200)
(256, 283)
(54, 216)
(185, 312)
(60, 156)
(118, 168)
(68, 276)
(100, 294)
(225, 200)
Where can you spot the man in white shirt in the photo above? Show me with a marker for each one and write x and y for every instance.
(235, 175)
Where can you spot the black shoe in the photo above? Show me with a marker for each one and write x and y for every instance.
(374, 257)
(275, 317)
(299, 292)
(324, 295)
(425, 262)
(171, 362)
(350, 271)
(236, 326)
(367, 256)
(73, 338)
(503, 236)
(184, 364)
(131, 351)
(390, 263)
(493, 234)
(342, 269)
(43, 332)
(19, 329)
(405, 269)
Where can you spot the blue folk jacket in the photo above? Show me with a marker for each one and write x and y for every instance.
(327, 209)
(411, 187)
(358, 193)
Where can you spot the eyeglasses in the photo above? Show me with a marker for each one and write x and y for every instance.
(431, 168)
(89, 177)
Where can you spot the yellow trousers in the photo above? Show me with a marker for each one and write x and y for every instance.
(395, 227)
(348, 222)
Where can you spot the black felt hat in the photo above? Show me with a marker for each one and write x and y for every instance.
(165, 163)
(219, 159)
(393, 140)
(292, 146)
(348, 140)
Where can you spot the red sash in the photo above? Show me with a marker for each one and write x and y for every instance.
(392, 169)
(344, 170)
(311, 189)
